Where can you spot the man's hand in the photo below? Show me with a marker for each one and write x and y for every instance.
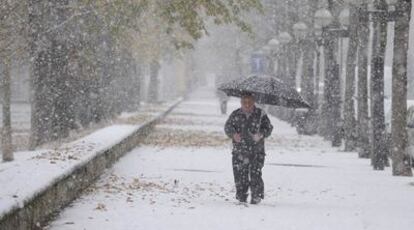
(257, 137)
(237, 137)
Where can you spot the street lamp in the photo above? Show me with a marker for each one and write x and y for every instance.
(306, 120)
(285, 69)
(274, 44)
(331, 109)
(266, 50)
(301, 30)
(323, 18)
(285, 38)
(344, 17)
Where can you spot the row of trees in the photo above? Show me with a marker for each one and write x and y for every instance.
(86, 56)
(359, 120)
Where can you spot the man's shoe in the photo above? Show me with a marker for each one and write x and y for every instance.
(243, 200)
(255, 200)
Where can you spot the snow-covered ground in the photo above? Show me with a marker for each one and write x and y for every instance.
(182, 179)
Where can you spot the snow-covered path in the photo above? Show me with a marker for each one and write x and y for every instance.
(182, 179)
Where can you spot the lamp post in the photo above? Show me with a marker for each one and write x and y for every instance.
(300, 30)
(331, 109)
(307, 120)
(284, 70)
(284, 38)
(274, 45)
(323, 18)
(268, 68)
(317, 33)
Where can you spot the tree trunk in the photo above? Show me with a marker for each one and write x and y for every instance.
(284, 73)
(39, 114)
(308, 87)
(318, 77)
(51, 108)
(6, 134)
(400, 159)
(363, 33)
(349, 107)
(323, 122)
(332, 93)
(378, 145)
(292, 54)
(154, 82)
(60, 91)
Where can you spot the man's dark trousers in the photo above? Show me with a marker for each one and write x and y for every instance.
(248, 173)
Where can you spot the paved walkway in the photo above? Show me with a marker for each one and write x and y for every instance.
(181, 178)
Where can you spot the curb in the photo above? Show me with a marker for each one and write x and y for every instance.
(39, 208)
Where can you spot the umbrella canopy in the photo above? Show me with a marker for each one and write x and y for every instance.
(266, 90)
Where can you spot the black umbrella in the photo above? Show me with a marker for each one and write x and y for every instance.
(266, 90)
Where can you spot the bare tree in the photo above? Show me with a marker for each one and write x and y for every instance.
(363, 33)
(378, 145)
(349, 108)
(11, 43)
(6, 140)
(399, 155)
(153, 91)
(50, 83)
(308, 87)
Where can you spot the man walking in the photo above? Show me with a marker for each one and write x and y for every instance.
(248, 127)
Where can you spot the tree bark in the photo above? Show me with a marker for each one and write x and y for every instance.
(51, 108)
(40, 109)
(349, 107)
(308, 87)
(323, 122)
(293, 56)
(154, 82)
(318, 77)
(284, 74)
(378, 145)
(6, 134)
(60, 91)
(363, 33)
(400, 159)
(332, 93)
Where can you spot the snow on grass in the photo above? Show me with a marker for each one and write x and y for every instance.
(25, 177)
(32, 172)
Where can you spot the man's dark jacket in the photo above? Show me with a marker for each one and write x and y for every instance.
(247, 126)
